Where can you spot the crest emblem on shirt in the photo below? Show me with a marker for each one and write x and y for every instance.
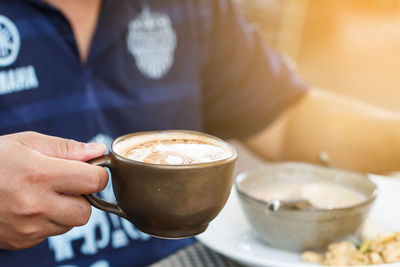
(9, 41)
(152, 41)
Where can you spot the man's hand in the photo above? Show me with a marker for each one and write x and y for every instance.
(41, 182)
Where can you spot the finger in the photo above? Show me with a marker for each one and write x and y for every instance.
(57, 229)
(69, 210)
(17, 244)
(73, 177)
(52, 229)
(28, 235)
(61, 148)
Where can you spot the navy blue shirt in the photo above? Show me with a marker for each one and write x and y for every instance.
(152, 65)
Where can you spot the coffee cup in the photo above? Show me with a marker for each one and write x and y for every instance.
(169, 184)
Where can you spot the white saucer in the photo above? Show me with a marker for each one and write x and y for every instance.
(230, 233)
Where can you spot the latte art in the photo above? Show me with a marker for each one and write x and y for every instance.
(176, 152)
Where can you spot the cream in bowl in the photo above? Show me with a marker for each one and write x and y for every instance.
(339, 202)
(320, 194)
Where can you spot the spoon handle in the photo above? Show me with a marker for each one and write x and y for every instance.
(275, 205)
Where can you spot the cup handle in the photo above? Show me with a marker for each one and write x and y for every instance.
(104, 161)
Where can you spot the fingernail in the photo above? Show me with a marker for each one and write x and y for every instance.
(95, 146)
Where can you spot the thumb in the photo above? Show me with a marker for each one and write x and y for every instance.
(61, 148)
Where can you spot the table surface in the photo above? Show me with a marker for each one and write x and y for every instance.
(196, 255)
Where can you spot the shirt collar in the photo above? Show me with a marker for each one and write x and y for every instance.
(112, 22)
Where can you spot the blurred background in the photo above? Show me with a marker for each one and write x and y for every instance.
(348, 46)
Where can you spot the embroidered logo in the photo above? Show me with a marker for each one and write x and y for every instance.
(152, 41)
(9, 41)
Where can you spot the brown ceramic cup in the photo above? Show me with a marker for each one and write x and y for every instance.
(168, 201)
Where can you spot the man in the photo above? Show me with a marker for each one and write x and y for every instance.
(92, 71)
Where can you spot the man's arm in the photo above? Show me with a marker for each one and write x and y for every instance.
(247, 86)
(355, 135)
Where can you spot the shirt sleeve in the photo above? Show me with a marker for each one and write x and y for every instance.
(246, 85)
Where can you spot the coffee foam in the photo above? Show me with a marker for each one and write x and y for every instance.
(171, 148)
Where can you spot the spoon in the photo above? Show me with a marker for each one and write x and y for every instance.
(298, 203)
